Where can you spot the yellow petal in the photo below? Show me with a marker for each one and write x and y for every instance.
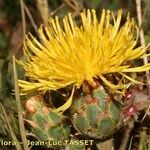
(67, 104)
(131, 79)
(112, 86)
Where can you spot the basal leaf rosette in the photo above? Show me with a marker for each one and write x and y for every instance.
(70, 54)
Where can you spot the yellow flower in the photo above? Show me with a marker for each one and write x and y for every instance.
(71, 54)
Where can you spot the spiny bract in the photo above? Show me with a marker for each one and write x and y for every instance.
(47, 125)
(96, 115)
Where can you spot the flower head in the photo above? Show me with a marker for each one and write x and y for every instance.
(71, 54)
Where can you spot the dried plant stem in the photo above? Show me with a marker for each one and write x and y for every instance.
(19, 108)
(148, 110)
(57, 9)
(142, 40)
(142, 142)
(43, 8)
(11, 132)
(73, 4)
(126, 136)
(23, 18)
(31, 18)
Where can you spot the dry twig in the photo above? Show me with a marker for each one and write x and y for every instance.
(10, 129)
(23, 18)
(57, 9)
(126, 136)
(19, 108)
(74, 5)
(31, 18)
(142, 40)
(43, 8)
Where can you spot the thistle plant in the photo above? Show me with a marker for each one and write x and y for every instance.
(94, 57)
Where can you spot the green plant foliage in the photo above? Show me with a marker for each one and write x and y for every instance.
(3, 42)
